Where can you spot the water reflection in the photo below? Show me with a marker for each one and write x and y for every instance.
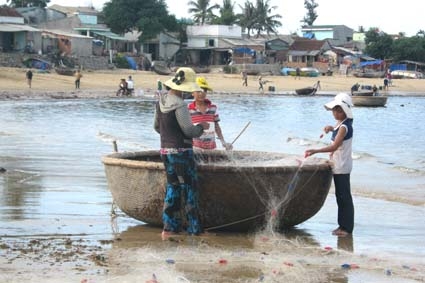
(346, 243)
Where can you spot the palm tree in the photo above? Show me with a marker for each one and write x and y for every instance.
(263, 20)
(227, 14)
(203, 12)
(247, 17)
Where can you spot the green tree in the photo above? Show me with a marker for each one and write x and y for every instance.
(227, 14)
(28, 3)
(311, 16)
(247, 17)
(264, 21)
(378, 44)
(409, 48)
(203, 12)
(148, 16)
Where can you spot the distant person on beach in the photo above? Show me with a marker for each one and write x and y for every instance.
(244, 78)
(173, 123)
(298, 73)
(341, 154)
(130, 85)
(203, 110)
(386, 82)
(122, 88)
(158, 87)
(260, 84)
(28, 75)
(375, 90)
(78, 77)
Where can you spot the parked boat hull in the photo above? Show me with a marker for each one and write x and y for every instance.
(239, 191)
(369, 101)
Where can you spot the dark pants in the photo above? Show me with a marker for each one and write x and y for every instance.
(344, 202)
(77, 83)
(181, 186)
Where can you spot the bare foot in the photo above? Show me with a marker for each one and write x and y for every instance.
(341, 233)
(165, 235)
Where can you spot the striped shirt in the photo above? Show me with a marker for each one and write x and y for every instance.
(207, 139)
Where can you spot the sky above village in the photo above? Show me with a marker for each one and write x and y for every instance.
(389, 16)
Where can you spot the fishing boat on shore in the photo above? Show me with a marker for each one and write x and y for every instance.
(240, 190)
(160, 67)
(369, 100)
(306, 91)
(65, 71)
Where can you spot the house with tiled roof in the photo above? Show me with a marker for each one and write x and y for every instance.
(309, 53)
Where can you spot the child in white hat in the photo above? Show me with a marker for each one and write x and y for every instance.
(341, 154)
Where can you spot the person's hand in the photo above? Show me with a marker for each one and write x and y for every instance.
(309, 152)
(227, 145)
(328, 129)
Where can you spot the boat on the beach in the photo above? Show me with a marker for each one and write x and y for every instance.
(369, 101)
(305, 72)
(369, 74)
(404, 74)
(306, 91)
(239, 190)
(161, 68)
(37, 63)
(65, 71)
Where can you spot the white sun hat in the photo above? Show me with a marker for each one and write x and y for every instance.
(344, 100)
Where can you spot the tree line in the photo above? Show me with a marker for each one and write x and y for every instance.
(256, 17)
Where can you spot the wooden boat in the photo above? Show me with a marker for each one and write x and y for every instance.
(369, 74)
(308, 90)
(201, 69)
(240, 190)
(369, 101)
(65, 71)
(363, 92)
(161, 68)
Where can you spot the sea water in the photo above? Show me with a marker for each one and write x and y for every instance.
(55, 185)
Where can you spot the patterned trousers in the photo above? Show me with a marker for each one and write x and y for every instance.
(181, 187)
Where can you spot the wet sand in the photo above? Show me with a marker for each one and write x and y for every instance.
(105, 84)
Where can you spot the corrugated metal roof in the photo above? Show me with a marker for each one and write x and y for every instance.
(110, 35)
(16, 28)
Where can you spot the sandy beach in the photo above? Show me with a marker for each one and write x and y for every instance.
(105, 84)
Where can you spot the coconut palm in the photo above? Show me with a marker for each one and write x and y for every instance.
(227, 14)
(203, 12)
(247, 17)
(263, 20)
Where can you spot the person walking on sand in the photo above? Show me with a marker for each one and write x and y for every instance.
(28, 75)
(244, 78)
(173, 123)
(203, 110)
(78, 77)
(298, 73)
(341, 154)
(260, 84)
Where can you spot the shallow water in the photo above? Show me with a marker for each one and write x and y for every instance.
(55, 183)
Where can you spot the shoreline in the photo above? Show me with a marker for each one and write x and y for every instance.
(104, 84)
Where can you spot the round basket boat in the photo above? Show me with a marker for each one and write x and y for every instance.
(239, 190)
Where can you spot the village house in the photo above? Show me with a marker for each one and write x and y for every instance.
(15, 35)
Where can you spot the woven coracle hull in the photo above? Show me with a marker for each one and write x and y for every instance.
(306, 91)
(369, 101)
(239, 191)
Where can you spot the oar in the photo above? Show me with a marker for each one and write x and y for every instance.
(243, 130)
